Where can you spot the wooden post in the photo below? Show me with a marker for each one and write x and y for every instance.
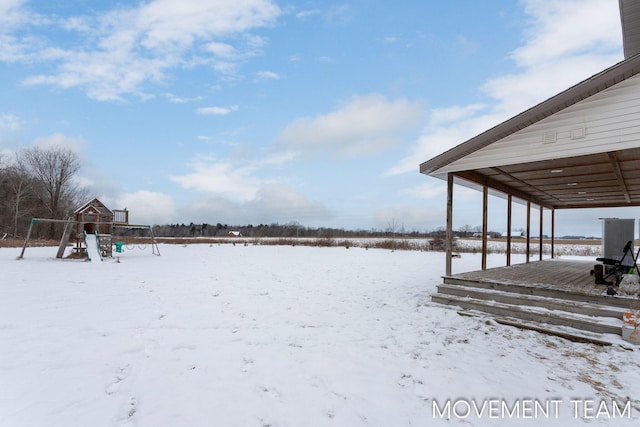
(509, 213)
(66, 234)
(449, 229)
(540, 243)
(528, 250)
(553, 232)
(154, 245)
(26, 240)
(485, 228)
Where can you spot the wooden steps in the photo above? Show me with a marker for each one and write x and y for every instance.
(541, 290)
(571, 314)
(565, 332)
(549, 303)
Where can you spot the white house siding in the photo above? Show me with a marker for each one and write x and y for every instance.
(610, 121)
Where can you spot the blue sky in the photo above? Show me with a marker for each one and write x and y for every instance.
(261, 111)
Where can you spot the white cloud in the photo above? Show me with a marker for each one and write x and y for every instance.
(281, 203)
(217, 111)
(147, 207)
(240, 182)
(568, 41)
(306, 13)
(98, 182)
(9, 122)
(223, 50)
(325, 59)
(450, 115)
(446, 128)
(268, 75)
(569, 50)
(515, 93)
(12, 14)
(165, 23)
(426, 191)
(59, 140)
(272, 203)
(569, 28)
(121, 52)
(364, 125)
(221, 177)
(179, 100)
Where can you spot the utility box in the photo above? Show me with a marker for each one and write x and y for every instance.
(615, 235)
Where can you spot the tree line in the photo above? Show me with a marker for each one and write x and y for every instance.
(295, 229)
(38, 182)
(288, 230)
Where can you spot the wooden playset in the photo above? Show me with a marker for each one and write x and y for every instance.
(92, 224)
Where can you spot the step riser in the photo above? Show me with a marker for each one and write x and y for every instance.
(526, 315)
(541, 292)
(523, 300)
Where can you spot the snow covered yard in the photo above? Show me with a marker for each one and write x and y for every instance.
(280, 336)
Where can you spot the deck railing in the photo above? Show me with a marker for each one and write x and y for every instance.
(121, 216)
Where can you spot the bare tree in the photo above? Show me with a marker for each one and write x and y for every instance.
(392, 227)
(53, 170)
(466, 230)
(19, 185)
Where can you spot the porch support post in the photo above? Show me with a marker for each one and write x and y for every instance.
(528, 250)
(485, 229)
(449, 230)
(540, 244)
(553, 232)
(509, 212)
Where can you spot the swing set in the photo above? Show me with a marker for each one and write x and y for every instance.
(93, 218)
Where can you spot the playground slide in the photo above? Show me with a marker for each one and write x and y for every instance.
(93, 250)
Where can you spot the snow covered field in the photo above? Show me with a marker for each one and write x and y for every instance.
(222, 335)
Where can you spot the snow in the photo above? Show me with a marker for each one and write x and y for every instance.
(209, 335)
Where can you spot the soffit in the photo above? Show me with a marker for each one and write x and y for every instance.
(597, 180)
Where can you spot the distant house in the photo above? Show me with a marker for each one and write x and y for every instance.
(235, 234)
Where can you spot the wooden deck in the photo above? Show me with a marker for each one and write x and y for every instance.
(554, 296)
(552, 274)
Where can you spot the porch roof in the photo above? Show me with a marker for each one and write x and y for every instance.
(594, 177)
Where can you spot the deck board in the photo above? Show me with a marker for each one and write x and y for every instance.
(562, 275)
